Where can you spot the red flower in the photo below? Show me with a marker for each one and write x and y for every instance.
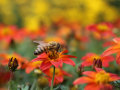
(98, 80)
(4, 59)
(59, 75)
(89, 58)
(54, 58)
(115, 48)
(102, 30)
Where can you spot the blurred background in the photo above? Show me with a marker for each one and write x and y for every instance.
(81, 26)
(31, 13)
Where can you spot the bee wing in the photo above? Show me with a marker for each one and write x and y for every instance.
(41, 43)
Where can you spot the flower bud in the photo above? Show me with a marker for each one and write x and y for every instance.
(80, 69)
(12, 64)
(73, 87)
(42, 82)
(97, 63)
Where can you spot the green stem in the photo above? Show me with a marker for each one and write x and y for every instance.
(53, 78)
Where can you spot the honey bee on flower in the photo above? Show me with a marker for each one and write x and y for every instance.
(52, 56)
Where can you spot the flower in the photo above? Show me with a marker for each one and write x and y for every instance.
(4, 59)
(89, 58)
(13, 64)
(54, 58)
(115, 48)
(102, 30)
(98, 80)
(59, 75)
(31, 66)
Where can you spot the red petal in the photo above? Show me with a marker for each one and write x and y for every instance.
(114, 77)
(88, 55)
(68, 56)
(92, 86)
(105, 64)
(110, 51)
(105, 87)
(107, 58)
(116, 40)
(99, 69)
(118, 58)
(65, 51)
(45, 65)
(90, 73)
(38, 59)
(66, 74)
(108, 43)
(59, 78)
(55, 63)
(68, 61)
(61, 63)
(87, 63)
(82, 80)
(29, 69)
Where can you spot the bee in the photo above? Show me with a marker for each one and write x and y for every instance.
(44, 47)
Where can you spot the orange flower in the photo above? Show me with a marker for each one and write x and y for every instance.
(5, 59)
(9, 33)
(54, 58)
(98, 80)
(89, 58)
(59, 75)
(102, 30)
(31, 66)
(115, 48)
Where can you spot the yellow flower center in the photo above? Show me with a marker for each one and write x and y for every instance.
(102, 28)
(102, 77)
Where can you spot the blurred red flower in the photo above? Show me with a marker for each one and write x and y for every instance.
(115, 48)
(98, 80)
(30, 66)
(33, 34)
(4, 59)
(89, 58)
(102, 30)
(4, 77)
(59, 75)
(57, 59)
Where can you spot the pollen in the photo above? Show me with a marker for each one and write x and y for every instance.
(102, 77)
(53, 54)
